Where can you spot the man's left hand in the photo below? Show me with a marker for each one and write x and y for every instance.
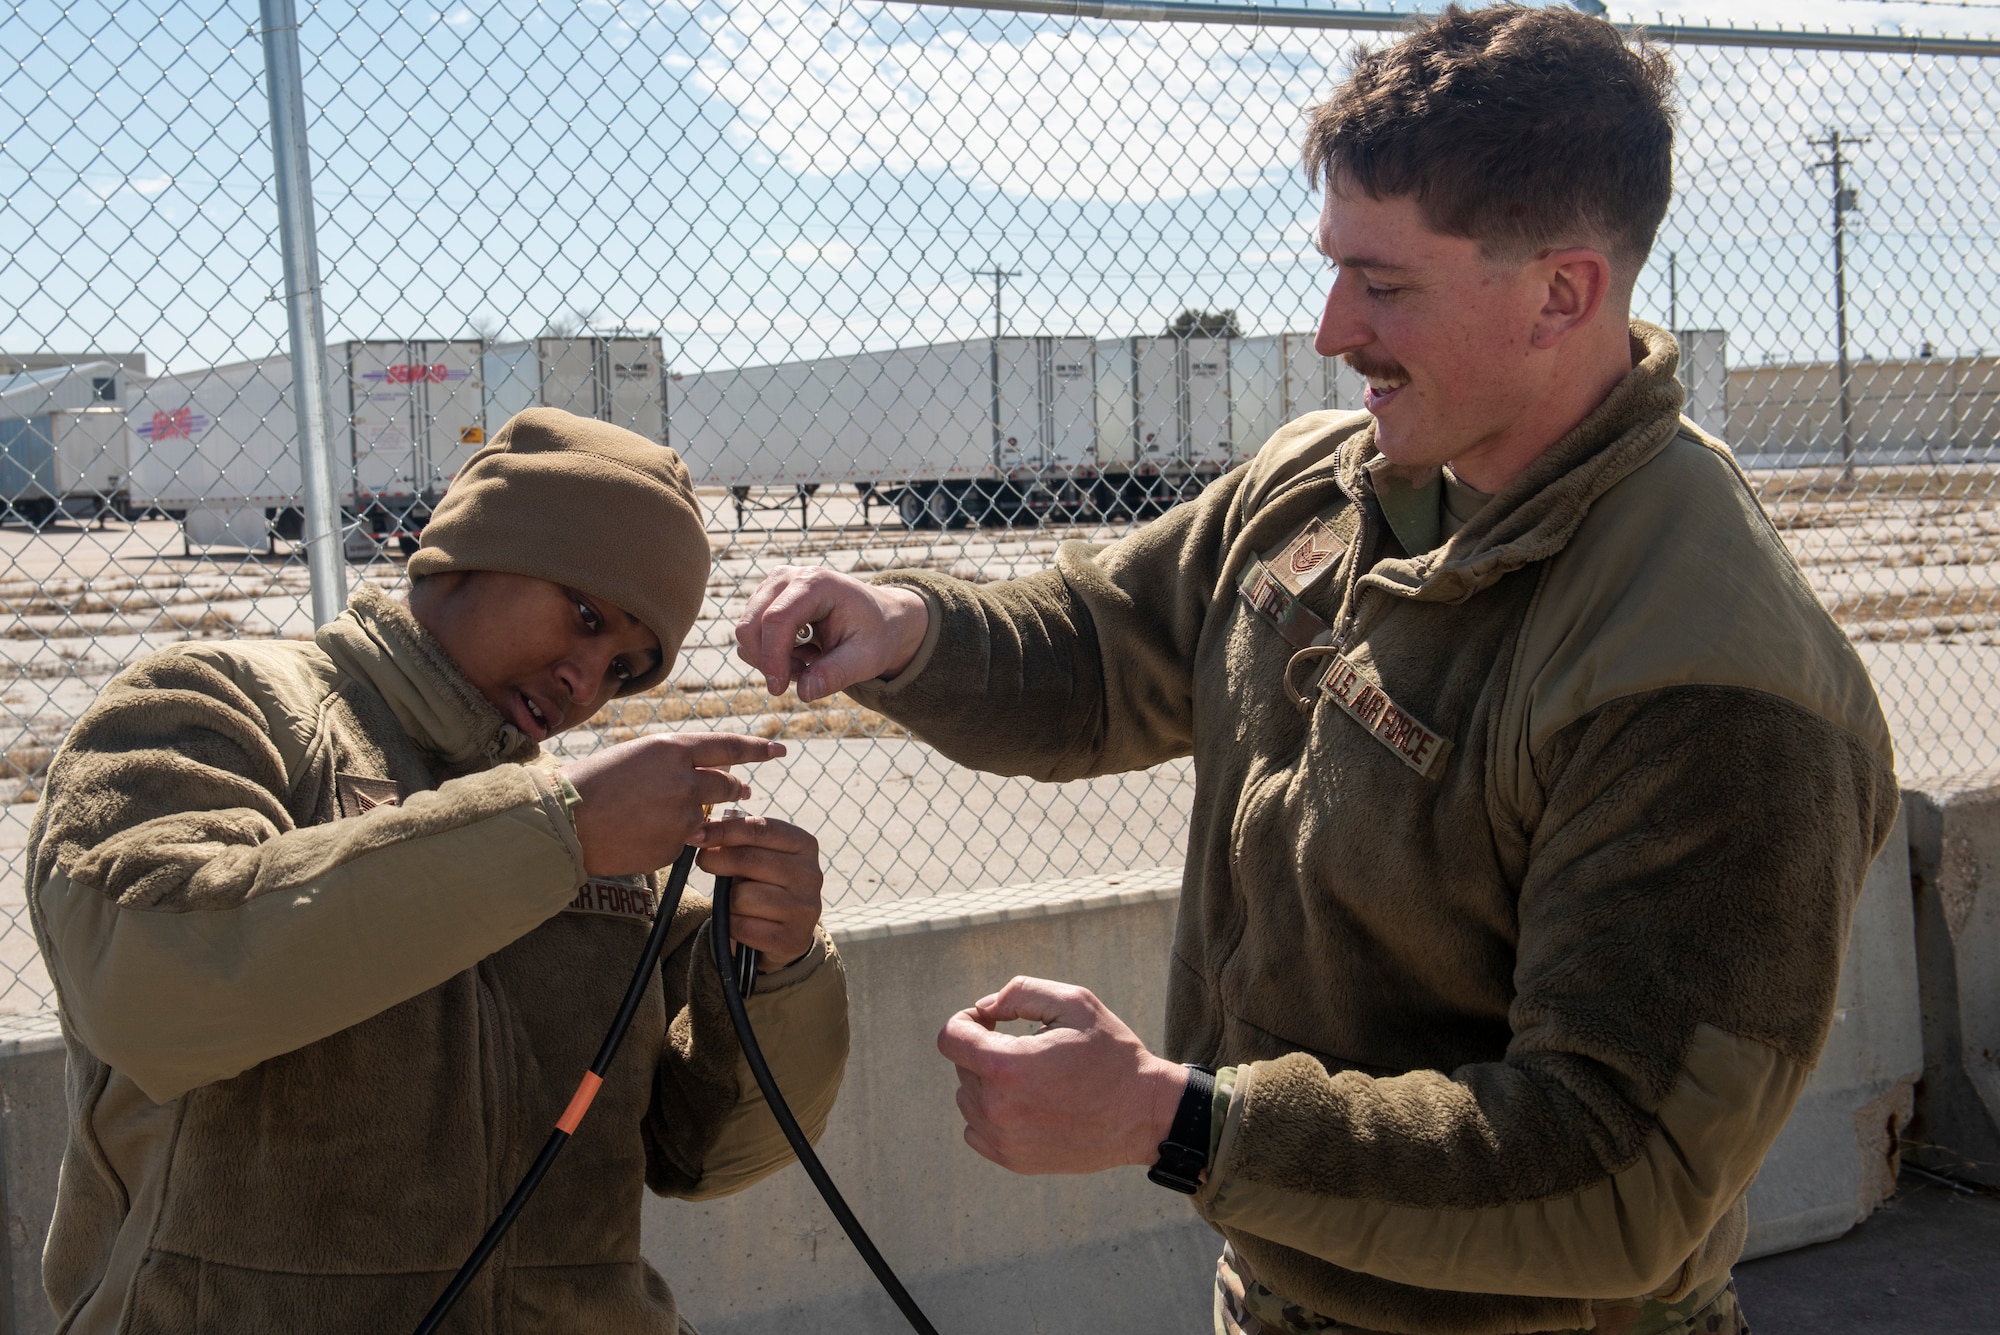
(1079, 1095)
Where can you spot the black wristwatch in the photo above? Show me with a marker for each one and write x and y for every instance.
(1184, 1153)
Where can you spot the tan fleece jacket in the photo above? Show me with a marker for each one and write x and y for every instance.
(329, 969)
(1520, 866)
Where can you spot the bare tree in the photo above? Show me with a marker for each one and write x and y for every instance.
(570, 323)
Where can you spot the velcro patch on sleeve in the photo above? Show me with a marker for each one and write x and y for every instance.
(1389, 723)
(615, 897)
(360, 794)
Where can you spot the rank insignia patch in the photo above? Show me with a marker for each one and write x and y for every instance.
(359, 795)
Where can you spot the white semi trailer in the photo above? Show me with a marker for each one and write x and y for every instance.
(1166, 423)
(1277, 377)
(612, 377)
(62, 442)
(948, 433)
(1027, 428)
(218, 447)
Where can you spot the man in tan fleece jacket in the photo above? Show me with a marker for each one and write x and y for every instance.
(1533, 785)
(333, 941)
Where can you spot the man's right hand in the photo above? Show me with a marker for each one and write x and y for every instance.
(865, 631)
(642, 799)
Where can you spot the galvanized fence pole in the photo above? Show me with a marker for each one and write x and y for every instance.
(296, 235)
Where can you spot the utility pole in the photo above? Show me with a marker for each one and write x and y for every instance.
(1673, 294)
(1845, 201)
(999, 277)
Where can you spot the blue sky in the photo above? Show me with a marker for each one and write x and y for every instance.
(780, 179)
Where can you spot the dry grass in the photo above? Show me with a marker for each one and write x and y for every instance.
(1909, 604)
(205, 625)
(783, 716)
(1901, 482)
(816, 722)
(25, 760)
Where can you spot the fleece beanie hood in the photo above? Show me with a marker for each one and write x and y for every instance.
(585, 504)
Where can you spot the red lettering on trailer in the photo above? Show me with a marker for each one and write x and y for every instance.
(176, 425)
(415, 373)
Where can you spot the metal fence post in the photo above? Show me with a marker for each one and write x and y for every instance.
(325, 559)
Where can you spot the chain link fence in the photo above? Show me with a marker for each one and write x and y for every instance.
(907, 287)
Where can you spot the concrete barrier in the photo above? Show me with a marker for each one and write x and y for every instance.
(1836, 1159)
(34, 1125)
(1955, 870)
(981, 1248)
(986, 1251)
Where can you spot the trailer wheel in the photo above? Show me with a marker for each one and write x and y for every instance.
(913, 505)
(947, 508)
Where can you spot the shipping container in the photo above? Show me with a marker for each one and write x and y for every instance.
(948, 433)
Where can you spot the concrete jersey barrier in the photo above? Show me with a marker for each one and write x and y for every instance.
(1955, 873)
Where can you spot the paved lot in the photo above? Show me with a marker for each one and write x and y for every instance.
(1927, 1262)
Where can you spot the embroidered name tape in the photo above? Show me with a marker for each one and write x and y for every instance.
(1275, 603)
(1390, 724)
(615, 897)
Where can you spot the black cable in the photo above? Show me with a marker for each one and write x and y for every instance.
(747, 1038)
(649, 960)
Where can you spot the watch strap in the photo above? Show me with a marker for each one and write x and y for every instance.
(1184, 1153)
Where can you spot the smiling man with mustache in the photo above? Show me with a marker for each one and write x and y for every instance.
(1534, 787)
(334, 939)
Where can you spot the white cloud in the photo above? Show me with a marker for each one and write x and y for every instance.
(1128, 112)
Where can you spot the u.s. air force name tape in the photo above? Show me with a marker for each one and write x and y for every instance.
(615, 897)
(1395, 727)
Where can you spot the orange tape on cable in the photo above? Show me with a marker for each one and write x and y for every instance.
(579, 1102)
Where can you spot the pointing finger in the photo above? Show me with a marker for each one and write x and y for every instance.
(705, 749)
